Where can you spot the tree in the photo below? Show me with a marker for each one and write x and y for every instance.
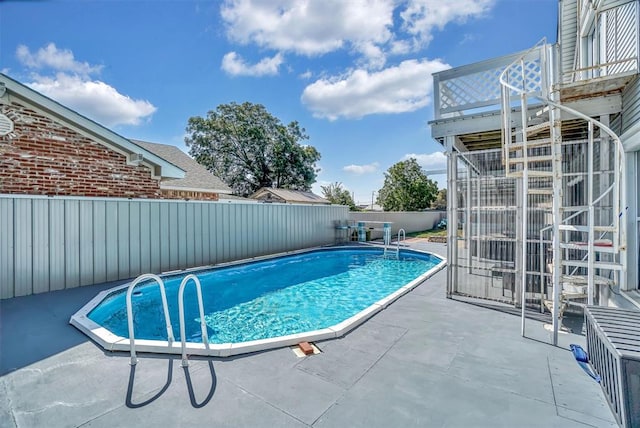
(335, 194)
(248, 148)
(406, 188)
(441, 200)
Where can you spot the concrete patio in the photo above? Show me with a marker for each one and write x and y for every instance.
(424, 361)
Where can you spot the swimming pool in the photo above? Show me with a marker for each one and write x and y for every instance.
(256, 305)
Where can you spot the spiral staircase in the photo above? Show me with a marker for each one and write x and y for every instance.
(569, 166)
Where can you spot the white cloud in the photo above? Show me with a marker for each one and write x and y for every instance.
(404, 88)
(235, 65)
(57, 59)
(429, 161)
(94, 99)
(421, 17)
(365, 27)
(69, 82)
(309, 27)
(306, 75)
(362, 169)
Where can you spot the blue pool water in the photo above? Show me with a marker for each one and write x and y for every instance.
(272, 298)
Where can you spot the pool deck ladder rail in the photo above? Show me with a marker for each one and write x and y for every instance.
(203, 325)
(165, 307)
(401, 237)
(167, 318)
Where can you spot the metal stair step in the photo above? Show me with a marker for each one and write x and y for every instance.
(582, 228)
(599, 247)
(584, 279)
(540, 191)
(543, 126)
(575, 208)
(529, 144)
(596, 265)
(531, 174)
(517, 160)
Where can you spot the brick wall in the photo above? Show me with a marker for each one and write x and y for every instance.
(43, 157)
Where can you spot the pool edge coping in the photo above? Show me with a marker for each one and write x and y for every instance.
(111, 342)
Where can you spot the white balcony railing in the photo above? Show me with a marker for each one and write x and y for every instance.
(475, 88)
(609, 39)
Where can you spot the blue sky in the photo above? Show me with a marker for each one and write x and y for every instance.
(354, 73)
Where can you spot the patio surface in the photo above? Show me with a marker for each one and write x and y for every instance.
(425, 361)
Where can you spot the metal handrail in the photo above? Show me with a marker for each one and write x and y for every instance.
(203, 325)
(165, 307)
(598, 66)
(404, 237)
(541, 43)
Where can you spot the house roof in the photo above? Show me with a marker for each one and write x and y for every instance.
(13, 90)
(197, 177)
(292, 196)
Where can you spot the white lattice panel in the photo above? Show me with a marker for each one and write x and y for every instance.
(482, 88)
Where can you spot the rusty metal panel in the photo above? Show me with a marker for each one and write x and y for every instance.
(40, 245)
(6, 248)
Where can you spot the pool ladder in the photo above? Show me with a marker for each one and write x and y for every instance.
(401, 237)
(167, 318)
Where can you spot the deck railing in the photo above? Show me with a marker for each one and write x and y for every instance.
(616, 43)
(475, 88)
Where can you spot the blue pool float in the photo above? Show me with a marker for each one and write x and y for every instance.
(582, 358)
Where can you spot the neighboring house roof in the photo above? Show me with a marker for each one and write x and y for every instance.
(13, 90)
(197, 178)
(236, 198)
(369, 207)
(290, 196)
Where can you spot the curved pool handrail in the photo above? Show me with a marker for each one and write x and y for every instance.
(402, 233)
(165, 307)
(203, 325)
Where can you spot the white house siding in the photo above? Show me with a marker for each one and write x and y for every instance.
(631, 105)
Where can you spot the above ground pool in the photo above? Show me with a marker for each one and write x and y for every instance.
(256, 305)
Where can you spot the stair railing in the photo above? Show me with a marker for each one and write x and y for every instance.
(619, 205)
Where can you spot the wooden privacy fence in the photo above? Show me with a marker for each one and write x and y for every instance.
(49, 244)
